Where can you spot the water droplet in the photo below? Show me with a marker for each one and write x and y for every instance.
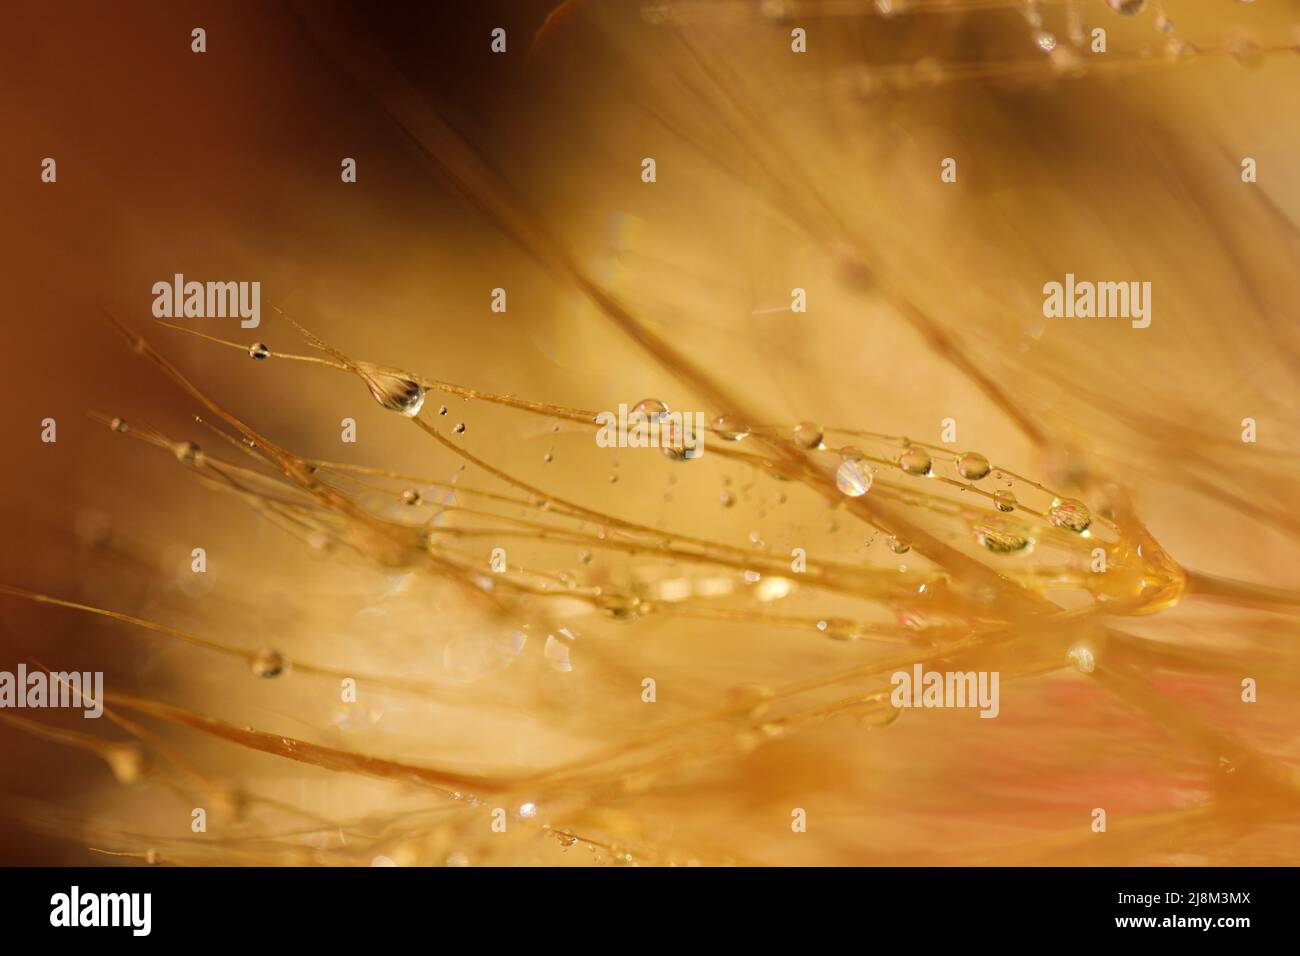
(548, 458)
(151, 857)
(457, 859)
(999, 541)
(460, 428)
(1245, 50)
(854, 477)
(118, 425)
(188, 453)
(268, 663)
(556, 650)
(1083, 659)
(1046, 41)
(410, 497)
(258, 351)
(727, 499)
(621, 607)
(528, 810)
(584, 557)
(972, 466)
(1069, 514)
(808, 435)
(127, 761)
(566, 839)
(726, 428)
(653, 409)
(1004, 500)
(897, 545)
(1163, 23)
(394, 392)
(442, 409)
(1127, 8)
(915, 461)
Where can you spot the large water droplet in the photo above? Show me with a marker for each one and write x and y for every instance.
(394, 392)
(1004, 500)
(972, 466)
(853, 477)
(915, 460)
(1069, 514)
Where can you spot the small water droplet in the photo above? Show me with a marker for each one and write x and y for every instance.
(442, 409)
(1046, 41)
(897, 545)
(999, 541)
(584, 557)
(127, 761)
(528, 810)
(853, 477)
(726, 428)
(727, 499)
(972, 466)
(268, 663)
(557, 650)
(118, 425)
(915, 461)
(410, 497)
(460, 428)
(258, 351)
(621, 607)
(1083, 659)
(566, 839)
(1245, 50)
(808, 435)
(1004, 500)
(1127, 8)
(188, 453)
(548, 458)
(1069, 514)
